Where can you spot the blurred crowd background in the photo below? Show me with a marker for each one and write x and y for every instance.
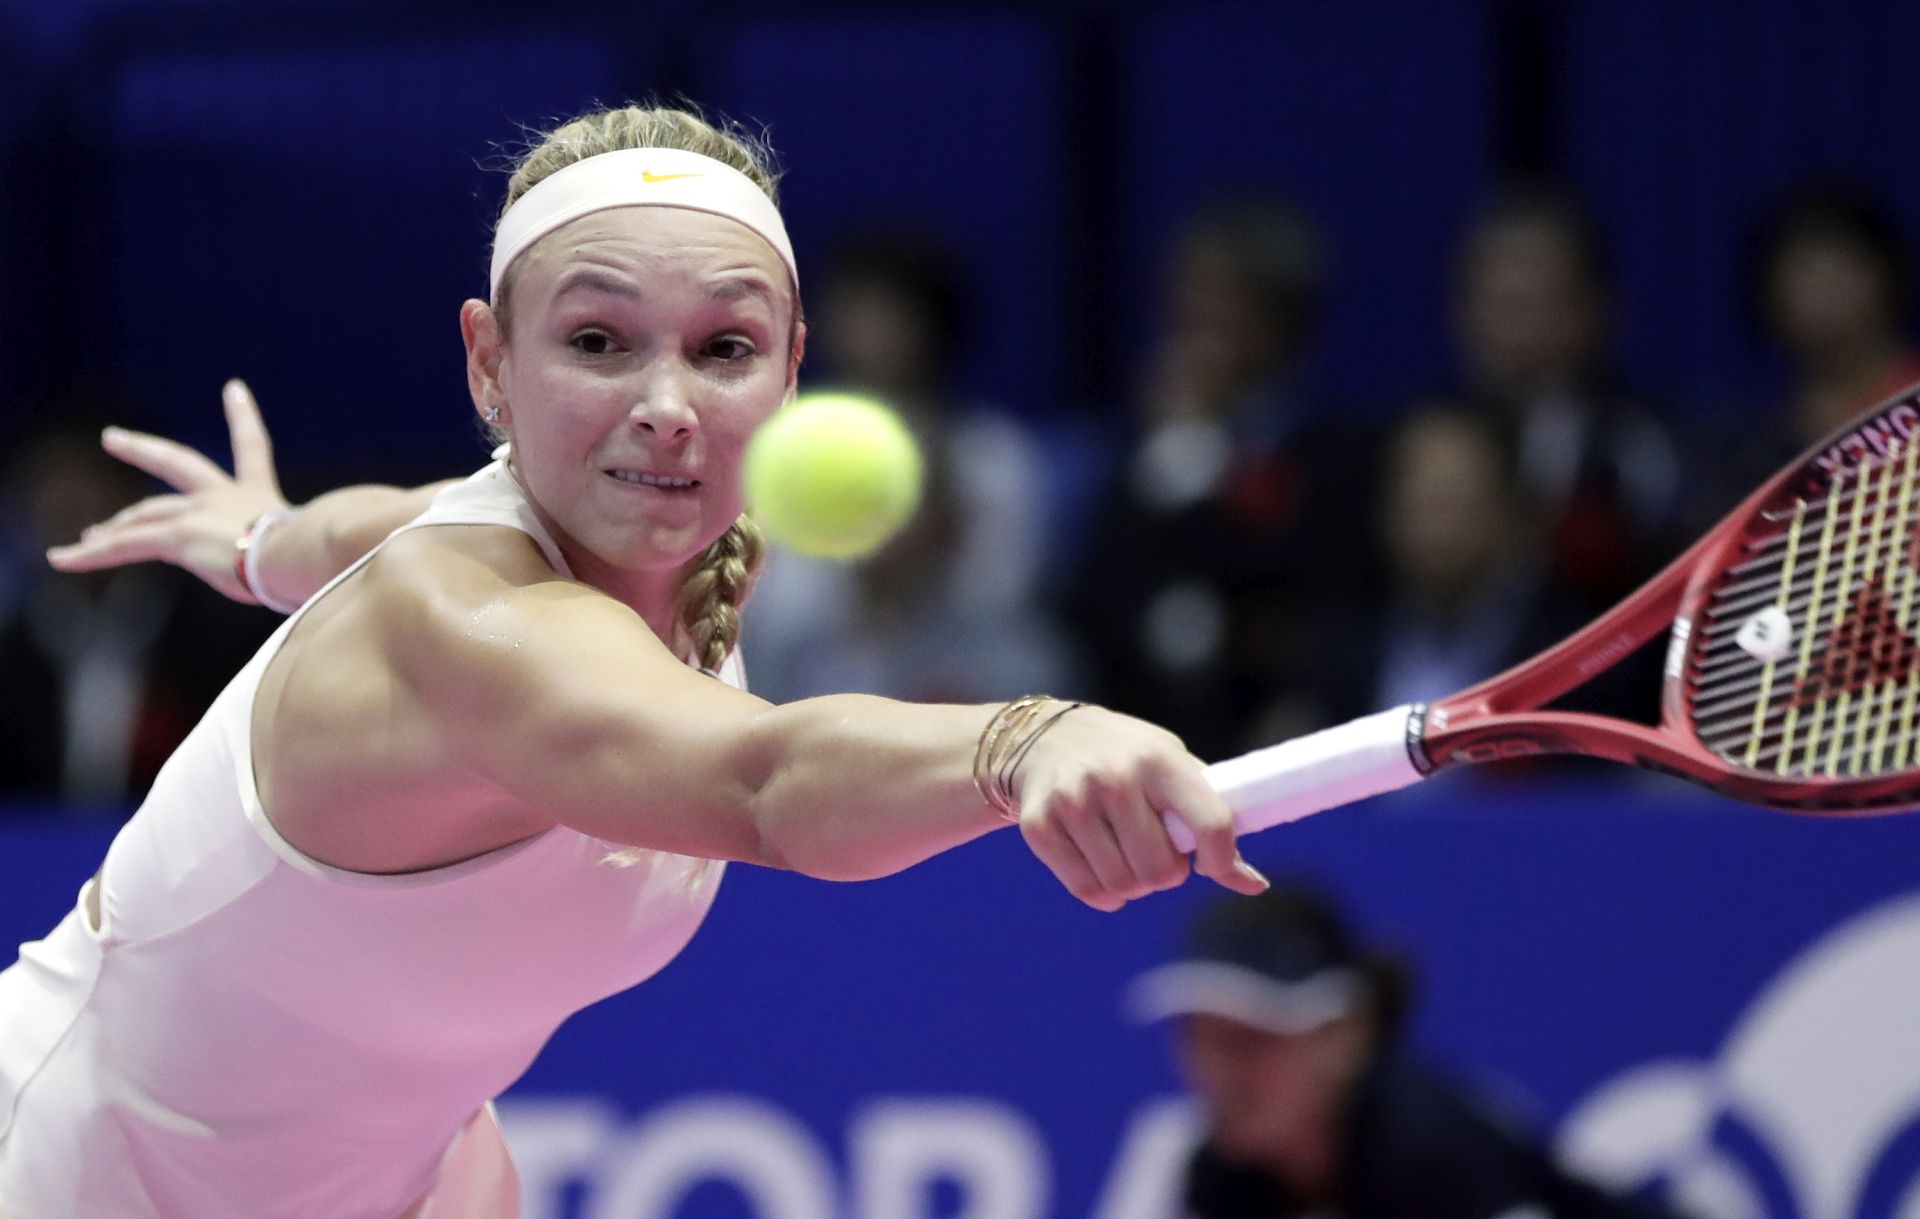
(1277, 361)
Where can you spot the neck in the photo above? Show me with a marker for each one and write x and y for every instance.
(653, 594)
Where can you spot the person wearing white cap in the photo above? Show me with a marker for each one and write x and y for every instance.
(1287, 1033)
(491, 772)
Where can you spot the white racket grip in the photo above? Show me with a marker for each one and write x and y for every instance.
(1321, 770)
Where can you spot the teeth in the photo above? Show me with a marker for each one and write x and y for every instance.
(650, 480)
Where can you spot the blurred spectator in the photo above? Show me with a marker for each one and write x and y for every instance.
(1832, 284)
(1829, 286)
(1233, 508)
(950, 609)
(1467, 592)
(1288, 1035)
(1532, 323)
(105, 673)
(1466, 578)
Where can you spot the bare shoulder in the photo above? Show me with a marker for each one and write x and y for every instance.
(367, 721)
(445, 564)
(420, 600)
(466, 695)
(459, 608)
(511, 665)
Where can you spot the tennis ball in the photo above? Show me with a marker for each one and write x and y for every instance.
(832, 475)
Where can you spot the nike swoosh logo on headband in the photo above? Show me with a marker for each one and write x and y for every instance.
(647, 175)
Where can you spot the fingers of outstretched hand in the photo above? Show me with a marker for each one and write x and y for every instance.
(252, 448)
(148, 511)
(1216, 852)
(171, 462)
(102, 547)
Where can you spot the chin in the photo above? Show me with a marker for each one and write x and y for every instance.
(679, 551)
(660, 552)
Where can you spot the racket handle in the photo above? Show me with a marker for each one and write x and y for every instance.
(1318, 771)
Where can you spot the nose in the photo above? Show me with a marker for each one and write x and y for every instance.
(665, 407)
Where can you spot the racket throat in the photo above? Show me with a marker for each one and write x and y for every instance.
(1417, 717)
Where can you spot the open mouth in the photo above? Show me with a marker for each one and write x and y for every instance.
(663, 482)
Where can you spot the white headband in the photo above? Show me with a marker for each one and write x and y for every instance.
(637, 177)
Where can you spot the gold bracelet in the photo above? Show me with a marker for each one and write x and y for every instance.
(1003, 777)
(989, 753)
(1004, 744)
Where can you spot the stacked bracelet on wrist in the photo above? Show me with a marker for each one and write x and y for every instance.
(1004, 744)
(246, 560)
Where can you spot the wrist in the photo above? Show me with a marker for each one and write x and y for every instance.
(247, 555)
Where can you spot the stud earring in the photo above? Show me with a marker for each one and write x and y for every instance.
(492, 412)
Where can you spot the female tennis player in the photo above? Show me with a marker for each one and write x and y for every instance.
(491, 772)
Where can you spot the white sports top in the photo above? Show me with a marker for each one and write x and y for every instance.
(252, 1034)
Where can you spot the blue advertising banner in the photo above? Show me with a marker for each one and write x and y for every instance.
(1717, 1001)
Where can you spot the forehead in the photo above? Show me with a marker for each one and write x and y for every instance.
(654, 246)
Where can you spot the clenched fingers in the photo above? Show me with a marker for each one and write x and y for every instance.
(1183, 791)
(1057, 849)
(1114, 833)
(1142, 836)
(1090, 815)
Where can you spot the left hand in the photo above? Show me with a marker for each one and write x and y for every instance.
(195, 527)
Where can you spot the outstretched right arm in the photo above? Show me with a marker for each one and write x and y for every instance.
(564, 700)
(196, 526)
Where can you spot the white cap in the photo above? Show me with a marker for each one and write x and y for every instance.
(1248, 996)
(637, 177)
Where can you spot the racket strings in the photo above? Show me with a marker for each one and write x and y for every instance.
(1719, 646)
(1759, 577)
(1836, 666)
(1841, 695)
(1839, 500)
(1737, 598)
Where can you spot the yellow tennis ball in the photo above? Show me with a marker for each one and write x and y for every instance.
(832, 475)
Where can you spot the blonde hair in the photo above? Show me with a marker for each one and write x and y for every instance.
(710, 597)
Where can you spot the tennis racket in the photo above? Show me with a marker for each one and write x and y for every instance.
(1792, 678)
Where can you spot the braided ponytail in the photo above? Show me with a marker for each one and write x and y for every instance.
(712, 594)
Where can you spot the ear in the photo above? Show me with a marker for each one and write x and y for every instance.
(486, 348)
(793, 359)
